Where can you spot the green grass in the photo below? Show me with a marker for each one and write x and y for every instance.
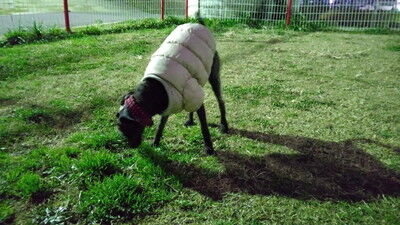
(97, 165)
(315, 133)
(29, 184)
(38, 33)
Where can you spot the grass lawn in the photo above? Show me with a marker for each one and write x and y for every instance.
(315, 133)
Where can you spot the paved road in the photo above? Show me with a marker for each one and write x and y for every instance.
(10, 22)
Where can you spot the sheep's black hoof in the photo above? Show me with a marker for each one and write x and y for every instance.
(210, 150)
(189, 123)
(224, 128)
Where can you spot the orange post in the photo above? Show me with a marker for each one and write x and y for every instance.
(66, 16)
(288, 12)
(186, 9)
(162, 9)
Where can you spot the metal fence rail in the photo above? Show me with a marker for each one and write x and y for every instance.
(344, 14)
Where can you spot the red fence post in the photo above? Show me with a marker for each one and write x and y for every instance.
(288, 12)
(162, 9)
(186, 9)
(66, 16)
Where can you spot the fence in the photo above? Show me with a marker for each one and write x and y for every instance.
(22, 13)
(344, 14)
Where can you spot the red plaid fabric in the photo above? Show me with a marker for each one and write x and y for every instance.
(137, 112)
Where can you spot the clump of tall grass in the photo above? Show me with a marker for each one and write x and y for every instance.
(34, 34)
(37, 33)
(115, 198)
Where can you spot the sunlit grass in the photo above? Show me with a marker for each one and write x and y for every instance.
(315, 133)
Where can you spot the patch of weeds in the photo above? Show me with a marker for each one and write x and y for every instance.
(30, 185)
(5, 101)
(106, 139)
(12, 131)
(94, 166)
(379, 30)
(34, 114)
(54, 117)
(394, 48)
(33, 34)
(255, 93)
(72, 152)
(140, 47)
(48, 160)
(38, 34)
(300, 22)
(8, 179)
(49, 216)
(55, 33)
(36, 160)
(15, 37)
(4, 159)
(31, 176)
(243, 92)
(267, 123)
(307, 104)
(193, 137)
(220, 25)
(91, 30)
(21, 36)
(280, 97)
(251, 20)
(7, 213)
(387, 133)
(278, 104)
(118, 197)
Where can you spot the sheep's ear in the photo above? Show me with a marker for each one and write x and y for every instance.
(123, 114)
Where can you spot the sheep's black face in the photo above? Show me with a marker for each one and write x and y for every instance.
(132, 130)
(129, 127)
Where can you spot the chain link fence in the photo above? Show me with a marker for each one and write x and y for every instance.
(344, 14)
(23, 13)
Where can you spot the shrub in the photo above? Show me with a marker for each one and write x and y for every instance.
(96, 166)
(115, 198)
(21, 35)
(72, 152)
(6, 213)
(91, 30)
(14, 37)
(29, 185)
(47, 160)
(104, 139)
(300, 22)
(55, 33)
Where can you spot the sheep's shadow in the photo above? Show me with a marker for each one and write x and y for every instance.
(322, 170)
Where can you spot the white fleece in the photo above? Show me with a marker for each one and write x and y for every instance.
(183, 64)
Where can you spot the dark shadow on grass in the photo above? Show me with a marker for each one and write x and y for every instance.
(321, 170)
(46, 120)
(55, 117)
(41, 196)
(7, 101)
